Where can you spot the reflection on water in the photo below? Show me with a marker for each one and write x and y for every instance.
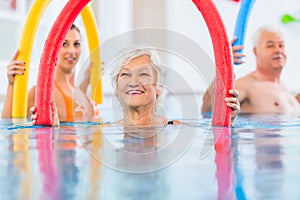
(257, 160)
(224, 163)
(141, 149)
(46, 160)
(269, 171)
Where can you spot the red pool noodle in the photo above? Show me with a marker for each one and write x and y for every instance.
(48, 62)
(223, 60)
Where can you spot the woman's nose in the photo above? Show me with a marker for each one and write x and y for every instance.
(133, 82)
(133, 85)
(71, 49)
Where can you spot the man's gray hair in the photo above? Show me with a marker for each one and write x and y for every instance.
(266, 28)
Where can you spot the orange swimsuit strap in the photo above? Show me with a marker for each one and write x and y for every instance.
(68, 103)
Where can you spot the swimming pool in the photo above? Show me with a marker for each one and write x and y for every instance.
(257, 159)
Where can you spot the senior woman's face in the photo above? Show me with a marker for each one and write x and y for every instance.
(136, 83)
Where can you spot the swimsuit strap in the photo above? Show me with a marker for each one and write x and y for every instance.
(68, 103)
(171, 122)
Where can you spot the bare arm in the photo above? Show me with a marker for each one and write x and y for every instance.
(7, 106)
(14, 68)
(298, 97)
(31, 98)
(242, 85)
(207, 104)
(86, 79)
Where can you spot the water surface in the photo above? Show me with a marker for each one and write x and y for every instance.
(257, 159)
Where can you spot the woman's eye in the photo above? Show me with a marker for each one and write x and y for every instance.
(77, 44)
(124, 74)
(144, 74)
(65, 44)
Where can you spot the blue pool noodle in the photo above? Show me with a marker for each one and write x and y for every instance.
(241, 23)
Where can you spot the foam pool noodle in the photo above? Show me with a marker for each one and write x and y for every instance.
(48, 63)
(223, 60)
(241, 23)
(94, 49)
(287, 18)
(20, 95)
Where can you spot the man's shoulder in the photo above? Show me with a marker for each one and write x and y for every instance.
(247, 79)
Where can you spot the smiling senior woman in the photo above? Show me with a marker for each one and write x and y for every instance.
(138, 79)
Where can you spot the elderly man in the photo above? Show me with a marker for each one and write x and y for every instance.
(262, 91)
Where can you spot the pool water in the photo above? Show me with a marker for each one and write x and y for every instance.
(257, 159)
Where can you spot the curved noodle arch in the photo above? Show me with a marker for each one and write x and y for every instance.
(20, 95)
(221, 45)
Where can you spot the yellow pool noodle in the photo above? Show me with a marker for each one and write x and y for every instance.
(20, 95)
(91, 29)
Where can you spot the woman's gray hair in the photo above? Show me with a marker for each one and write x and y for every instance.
(266, 28)
(126, 55)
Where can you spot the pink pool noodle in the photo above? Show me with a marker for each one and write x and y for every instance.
(47, 67)
(223, 60)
